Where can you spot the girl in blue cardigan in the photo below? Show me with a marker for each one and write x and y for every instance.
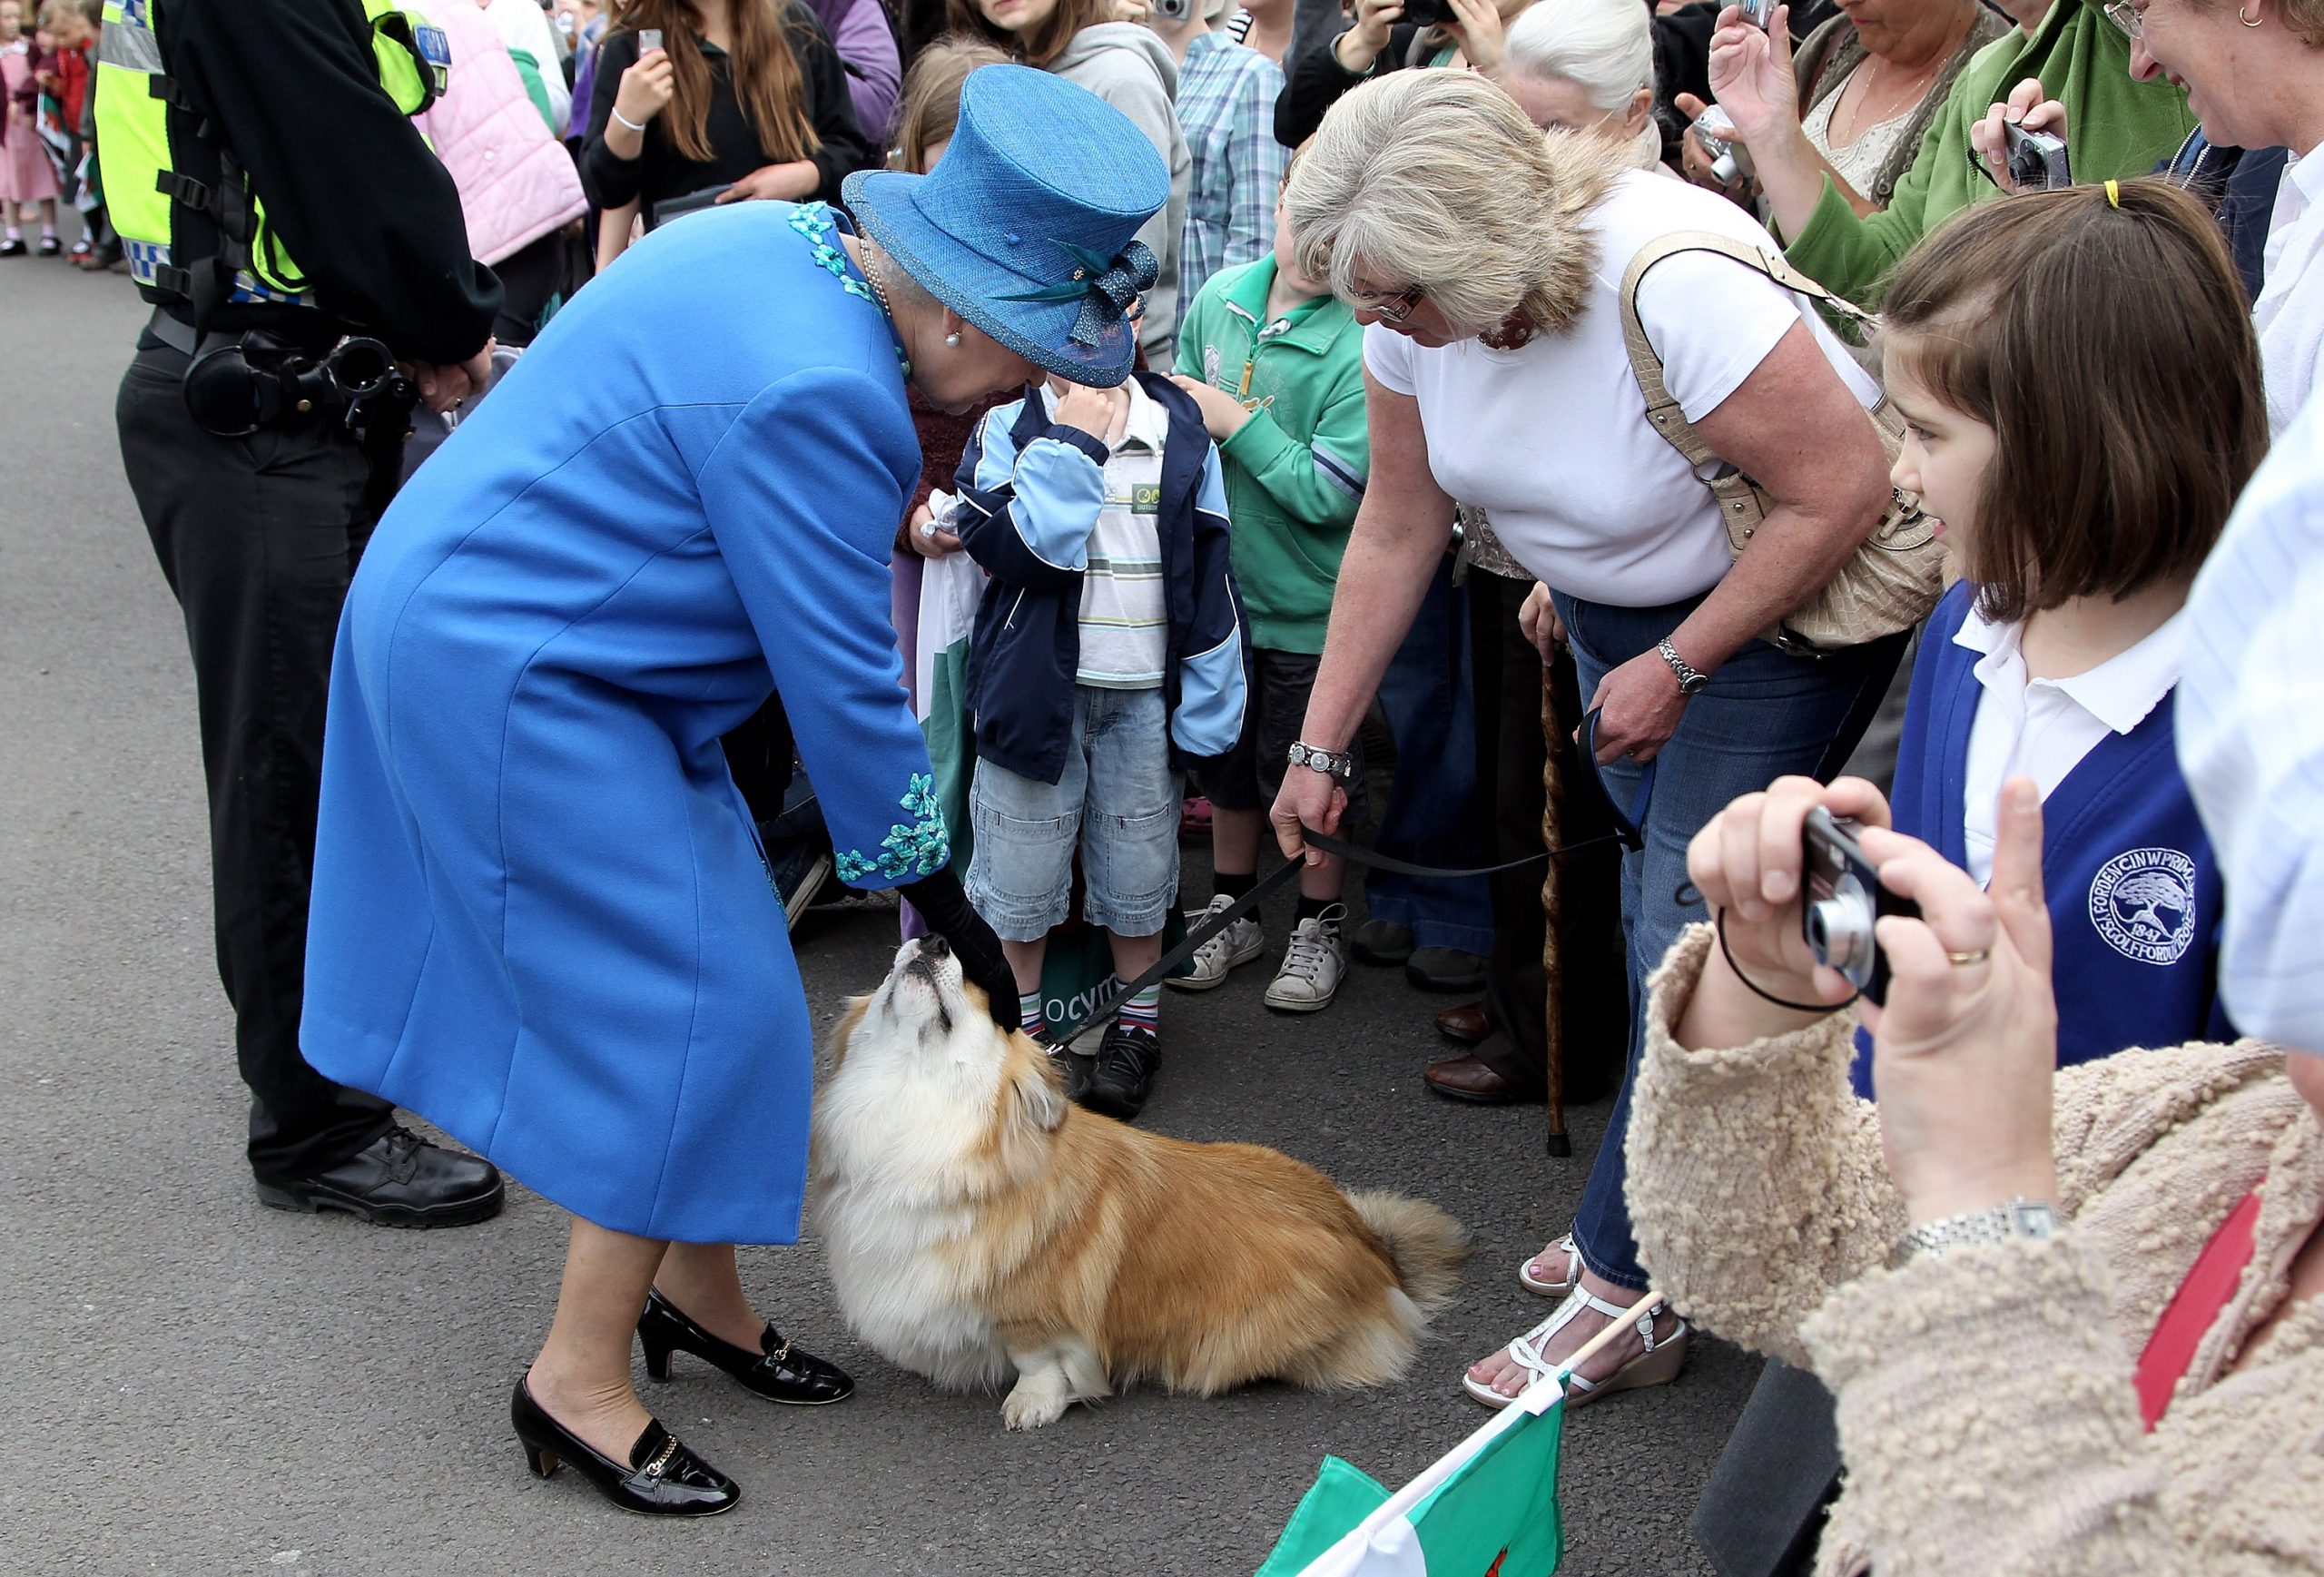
(2082, 400)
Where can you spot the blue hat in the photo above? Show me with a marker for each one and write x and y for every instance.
(1026, 226)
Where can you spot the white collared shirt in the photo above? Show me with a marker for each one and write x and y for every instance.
(2289, 313)
(2042, 728)
(1125, 615)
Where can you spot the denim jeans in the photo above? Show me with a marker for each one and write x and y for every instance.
(1116, 801)
(1431, 814)
(1766, 715)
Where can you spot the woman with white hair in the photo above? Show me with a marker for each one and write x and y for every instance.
(1587, 66)
(1486, 260)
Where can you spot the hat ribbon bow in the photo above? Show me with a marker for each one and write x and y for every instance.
(1106, 287)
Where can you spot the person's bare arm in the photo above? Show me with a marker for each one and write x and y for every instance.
(1796, 428)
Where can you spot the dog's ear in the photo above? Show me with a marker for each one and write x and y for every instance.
(844, 1030)
(1038, 1084)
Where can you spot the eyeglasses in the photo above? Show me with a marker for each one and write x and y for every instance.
(1393, 307)
(2127, 16)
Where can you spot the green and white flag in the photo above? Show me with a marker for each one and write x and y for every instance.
(1487, 1508)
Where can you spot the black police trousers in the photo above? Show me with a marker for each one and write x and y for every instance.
(258, 537)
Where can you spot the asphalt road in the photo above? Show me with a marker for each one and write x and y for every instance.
(193, 1384)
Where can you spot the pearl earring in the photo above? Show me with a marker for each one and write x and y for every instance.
(951, 339)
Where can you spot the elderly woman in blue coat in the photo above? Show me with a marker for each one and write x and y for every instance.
(540, 916)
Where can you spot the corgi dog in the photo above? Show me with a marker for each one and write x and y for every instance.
(980, 1225)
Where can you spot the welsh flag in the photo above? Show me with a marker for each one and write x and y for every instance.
(1487, 1508)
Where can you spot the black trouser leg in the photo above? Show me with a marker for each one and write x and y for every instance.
(258, 537)
(1510, 751)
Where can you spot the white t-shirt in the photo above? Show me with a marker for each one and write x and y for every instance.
(1551, 439)
(2042, 728)
(2289, 313)
(1125, 615)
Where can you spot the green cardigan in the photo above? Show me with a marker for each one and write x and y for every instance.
(2116, 128)
(1295, 470)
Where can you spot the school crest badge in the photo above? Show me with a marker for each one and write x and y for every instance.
(2142, 902)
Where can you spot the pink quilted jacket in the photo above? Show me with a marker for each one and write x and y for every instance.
(517, 181)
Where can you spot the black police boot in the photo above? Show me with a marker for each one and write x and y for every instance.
(399, 1179)
(1123, 1072)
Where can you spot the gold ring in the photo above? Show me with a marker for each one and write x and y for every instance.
(1980, 956)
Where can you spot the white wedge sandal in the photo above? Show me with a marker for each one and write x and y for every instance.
(1664, 1332)
(1544, 1287)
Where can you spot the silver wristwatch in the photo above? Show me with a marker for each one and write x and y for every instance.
(1692, 681)
(1331, 764)
(2020, 1218)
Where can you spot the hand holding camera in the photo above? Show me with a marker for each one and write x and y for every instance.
(2021, 144)
(1751, 75)
(646, 87)
(1965, 1047)
(1361, 44)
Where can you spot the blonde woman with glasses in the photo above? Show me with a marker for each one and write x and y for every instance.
(1486, 259)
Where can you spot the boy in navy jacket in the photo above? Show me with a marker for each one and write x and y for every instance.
(1109, 650)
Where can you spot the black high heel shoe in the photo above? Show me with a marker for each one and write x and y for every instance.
(780, 1371)
(661, 1479)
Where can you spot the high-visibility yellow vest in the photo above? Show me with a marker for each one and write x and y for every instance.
(152, 199)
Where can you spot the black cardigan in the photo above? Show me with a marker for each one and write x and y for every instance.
(659, 173)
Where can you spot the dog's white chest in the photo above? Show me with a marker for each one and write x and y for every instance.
(902, 1291)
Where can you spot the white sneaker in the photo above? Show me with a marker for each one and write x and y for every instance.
(1312, 965)
(1239, 944)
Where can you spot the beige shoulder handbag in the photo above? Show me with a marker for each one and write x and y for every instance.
(1896, 577)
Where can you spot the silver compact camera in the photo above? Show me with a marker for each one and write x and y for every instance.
(1757, 13)
(1714, 130)
(1841, 899)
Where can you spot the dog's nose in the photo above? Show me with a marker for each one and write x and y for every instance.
(933, 946)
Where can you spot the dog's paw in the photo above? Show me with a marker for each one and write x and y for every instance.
(1028, 1407)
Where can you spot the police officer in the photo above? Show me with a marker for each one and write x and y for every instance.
(307, 265)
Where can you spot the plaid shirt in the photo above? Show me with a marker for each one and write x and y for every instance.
(1227, 94)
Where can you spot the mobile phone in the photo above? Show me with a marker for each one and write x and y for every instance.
(2036, 159)
(648, 39)
(1841, 898)
(1757, 13)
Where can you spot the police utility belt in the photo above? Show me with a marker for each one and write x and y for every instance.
(237, 384)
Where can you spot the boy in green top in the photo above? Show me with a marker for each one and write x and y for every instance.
(1276, 365)
(2120, 127)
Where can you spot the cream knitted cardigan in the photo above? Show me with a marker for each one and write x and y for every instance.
(1986, 1414)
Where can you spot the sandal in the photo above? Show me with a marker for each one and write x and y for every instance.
(1546, 1288)
(1664, 1332)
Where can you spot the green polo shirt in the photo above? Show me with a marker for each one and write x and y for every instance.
(1295, 470)
(2116, 128)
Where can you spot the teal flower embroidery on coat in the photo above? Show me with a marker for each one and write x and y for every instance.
(915, 848)
(813, 221)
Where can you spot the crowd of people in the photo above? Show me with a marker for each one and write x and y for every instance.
(1659, 427)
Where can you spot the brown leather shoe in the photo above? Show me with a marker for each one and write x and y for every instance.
(1464, 1078)
(1465, 1025)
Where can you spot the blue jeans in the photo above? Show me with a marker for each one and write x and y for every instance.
(1766, 715)
(1432, 816)
(1116, 800)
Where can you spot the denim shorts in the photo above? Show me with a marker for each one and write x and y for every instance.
(1116, 800)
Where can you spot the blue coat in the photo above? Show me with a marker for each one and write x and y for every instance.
(541, 919)
(1030, 491)
(2133, 888)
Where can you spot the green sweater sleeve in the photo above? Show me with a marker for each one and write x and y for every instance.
(2117, 127)
(1316, 485)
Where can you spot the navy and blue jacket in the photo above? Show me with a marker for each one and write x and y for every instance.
(2135, 890)
(1031, 492)
(2240, 184)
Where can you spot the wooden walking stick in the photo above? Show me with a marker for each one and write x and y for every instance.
(1554, 730)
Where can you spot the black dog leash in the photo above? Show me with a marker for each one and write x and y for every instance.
(1284, 872)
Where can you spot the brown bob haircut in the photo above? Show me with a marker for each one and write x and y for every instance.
(2109, 349)
(1041, 46)
(929, 110)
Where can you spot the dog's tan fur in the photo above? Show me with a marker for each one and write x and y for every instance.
(1089, 1253)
